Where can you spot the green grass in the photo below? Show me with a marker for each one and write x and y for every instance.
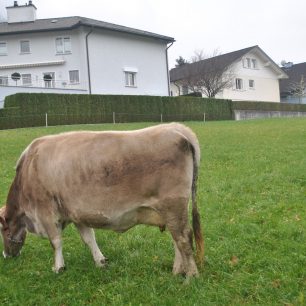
(252, 197)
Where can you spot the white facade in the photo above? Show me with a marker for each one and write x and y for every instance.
(259, 80)
(117, 62)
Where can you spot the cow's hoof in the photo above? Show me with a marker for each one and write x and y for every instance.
(102, 262)
(177, 270)
(58, 270)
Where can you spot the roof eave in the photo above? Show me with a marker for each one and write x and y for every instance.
(82, 23)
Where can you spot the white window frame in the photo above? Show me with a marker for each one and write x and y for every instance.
(29, 46)
(253, 63)
(239, 84)
(3, 50)
(65, 46)
(75, 80)
(253, 84)
(250, 63)
(3, 80)
(26, 79)
(130, 78)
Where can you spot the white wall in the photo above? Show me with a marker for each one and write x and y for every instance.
(266, 83)
(111, 52)
(43, 50)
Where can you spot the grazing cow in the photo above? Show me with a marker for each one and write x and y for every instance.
(111, 180)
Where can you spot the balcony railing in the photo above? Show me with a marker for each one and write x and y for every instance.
(41, 83)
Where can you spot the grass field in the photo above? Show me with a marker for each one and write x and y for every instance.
(252, 198)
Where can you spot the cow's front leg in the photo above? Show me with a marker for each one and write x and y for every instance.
(59, 264)
(88, 237)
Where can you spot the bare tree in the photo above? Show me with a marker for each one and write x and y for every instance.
(298, 89)
(208, 75)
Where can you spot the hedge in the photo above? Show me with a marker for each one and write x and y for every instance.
(78, 109)
(268, 106)
(29, 109)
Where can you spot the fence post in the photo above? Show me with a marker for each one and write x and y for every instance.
(161, 117)
(46, 119)
(114, 117)
(204, 117)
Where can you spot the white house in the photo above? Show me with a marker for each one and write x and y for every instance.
(254, 75)
(79, 55)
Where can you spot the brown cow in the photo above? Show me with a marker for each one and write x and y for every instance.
(112, 180)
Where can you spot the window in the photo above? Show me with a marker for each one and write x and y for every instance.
(250, 63)
(74, 76)
(26, 79)
(63, 45)
(239, 84)
(130, 79)
(25, 46)
(251, 84)
(49, 79)
(184, 90)
(3, 48)
(254, 63)
(3, 80)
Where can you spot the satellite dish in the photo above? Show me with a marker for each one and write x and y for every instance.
(283, 63)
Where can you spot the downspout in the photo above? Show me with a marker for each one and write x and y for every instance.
(167, 63)
(87, 57)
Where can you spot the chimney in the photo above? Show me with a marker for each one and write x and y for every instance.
(21, 13)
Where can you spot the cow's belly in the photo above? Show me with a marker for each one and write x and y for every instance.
(122, 221)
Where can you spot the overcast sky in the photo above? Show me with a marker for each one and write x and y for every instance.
(277, 26)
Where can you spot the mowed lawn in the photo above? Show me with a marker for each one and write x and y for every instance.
(252, 198)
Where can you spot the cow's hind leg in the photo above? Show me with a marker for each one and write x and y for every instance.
(177, 223)
(88, 237)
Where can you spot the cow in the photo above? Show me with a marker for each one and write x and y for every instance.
(110, 180)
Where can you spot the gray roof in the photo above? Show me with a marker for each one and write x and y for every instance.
(220, 62)
(295, 72)
(69, 23)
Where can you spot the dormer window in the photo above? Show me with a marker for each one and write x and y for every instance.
(63, 45)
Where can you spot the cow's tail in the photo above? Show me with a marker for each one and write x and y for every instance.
(196, 220)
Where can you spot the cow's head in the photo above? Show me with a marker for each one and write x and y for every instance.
(13, 234)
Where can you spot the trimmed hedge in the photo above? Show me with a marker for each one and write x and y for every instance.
(80, 109)
(29, 109)
(268, 106)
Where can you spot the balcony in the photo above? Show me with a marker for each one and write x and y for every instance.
(35, 82)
